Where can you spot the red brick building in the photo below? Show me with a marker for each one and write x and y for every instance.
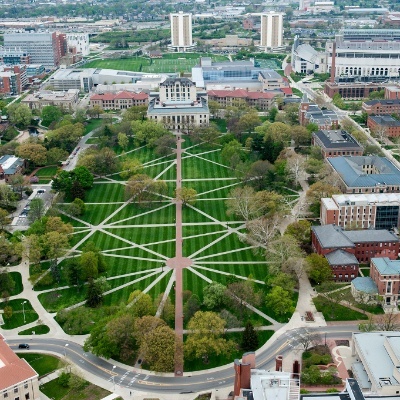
(379, 107)
(259, 100)
(349, 248)
(334, 143)
(385, 123)
(386, 275)
(119, 101)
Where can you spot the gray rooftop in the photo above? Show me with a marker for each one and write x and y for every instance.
(385, 266)
(10, 164)
(337, 139)
(341, 257)
(385, 120)
(334, 236)
(351, 170)
(331, 236)
(377, 358)
(365, 284)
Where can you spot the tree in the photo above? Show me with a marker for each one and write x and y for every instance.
(246, 123)
(241, 293)
(319, 270)
(55, 155)
(319, 190)
(83, 176)
(295, 166)
(7, 284)
(249, 338)
(300, 135)
(77, 190)
(261, 230)
(307, 338)
(165, 145)
(121, 333)
(51, 114)
(95, 290)
(135, 113)
(73, 272)
(36, 210)
(159, 349)
(4, 218)
(279, 301)
(205, 330)
(143, 189)
(301, 231)
(144, 326)
(123, 140)
(7, 198)
(207, 134)
(19, 114)
(100, 162)
(130, 167)
(167, 308)
(278, 131)
(95, 111)
(17, 182)
(281, 279)
(8, 312)
(214, 295)
(281, 249)
(88, 261)
(231, 153)
(77, 207)
(191, 307)
(147, 132)
(140, 304)
(34, 152)
(186, 195)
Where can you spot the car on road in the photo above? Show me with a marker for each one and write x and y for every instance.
(23, 346)
(41, 191)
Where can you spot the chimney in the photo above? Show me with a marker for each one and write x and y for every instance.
(333, 64)
(278, 363)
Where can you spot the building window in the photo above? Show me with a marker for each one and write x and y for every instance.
(15, 390)
(5, 395)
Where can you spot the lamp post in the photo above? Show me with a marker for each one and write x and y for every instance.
(65, 350)
(114, 366)
(23, 310)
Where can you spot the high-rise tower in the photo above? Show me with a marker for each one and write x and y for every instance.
(271, 31)
(181, 32)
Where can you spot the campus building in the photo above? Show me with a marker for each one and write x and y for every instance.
(18, 380)
(386, 124)
(181, 32)
(362, 211)
(334, 143)
(66, 99)
(11, 165)
(379, 107)
(378, 359)
(245, 75)
(365, 53)
(366, 174)
(263, 101)
(271, 37)
(386, 275)
(80, 41)
(119, 101)
(178, 105)
(42, 48)
(352, 247)
(350, 88)
(310, 113)
(14, 56)
(305, 59)
(13, 79)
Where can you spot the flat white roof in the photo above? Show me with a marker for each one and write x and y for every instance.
(9, 162)
(368, 198)
(270, 385)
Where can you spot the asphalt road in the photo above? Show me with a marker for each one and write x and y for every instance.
(136, 379)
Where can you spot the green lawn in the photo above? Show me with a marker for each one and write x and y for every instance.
(43, 364)
(38, 329)
(336, 312)
(129, 64)
(89, 391)
(18, 288)
(17, 318)
(92, 124)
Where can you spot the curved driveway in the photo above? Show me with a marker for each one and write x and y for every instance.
(136, 379)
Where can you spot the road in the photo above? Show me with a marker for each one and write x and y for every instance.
(136, 379)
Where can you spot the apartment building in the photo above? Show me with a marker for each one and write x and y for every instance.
(119, 101)
(271, 37)
(80, 41)
(384, 124)
(181, 32)
(379, 107)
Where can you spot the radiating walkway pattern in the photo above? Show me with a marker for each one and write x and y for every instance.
(167, 271)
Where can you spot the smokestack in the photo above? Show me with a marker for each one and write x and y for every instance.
(333, 64)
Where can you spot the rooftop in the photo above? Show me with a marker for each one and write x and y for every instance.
(341, 257)
(365, 284)
(49, 95)
(10, 164)
(385, 120)
(366, 198)
(333, 236)
(271, 385)
(365, 171)
(13, 369)
(337, 139)
(385, 266)
(377, 358)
